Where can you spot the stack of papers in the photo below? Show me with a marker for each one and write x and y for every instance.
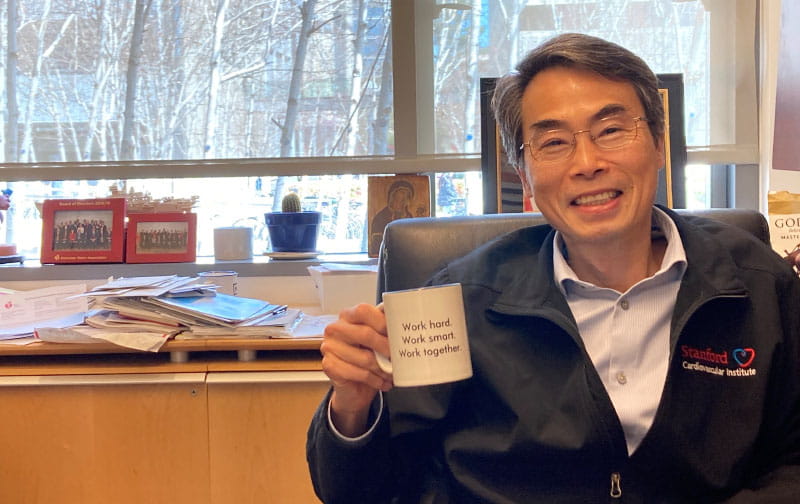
(137, 339)
(21, 313)
(201, 314)
(169, 285)
(180, 305)
(144, 312)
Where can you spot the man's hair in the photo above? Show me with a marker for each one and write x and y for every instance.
(573, 50)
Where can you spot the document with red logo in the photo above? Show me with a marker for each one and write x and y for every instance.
(24, 311)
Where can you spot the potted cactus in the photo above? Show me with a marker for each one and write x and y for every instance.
(292, 229)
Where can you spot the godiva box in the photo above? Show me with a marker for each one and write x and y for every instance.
(784, 225)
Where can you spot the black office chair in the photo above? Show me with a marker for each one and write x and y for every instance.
(414, 249)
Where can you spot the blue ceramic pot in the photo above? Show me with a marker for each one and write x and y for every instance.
(293, 231)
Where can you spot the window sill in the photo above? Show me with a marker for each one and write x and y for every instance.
(259, 266)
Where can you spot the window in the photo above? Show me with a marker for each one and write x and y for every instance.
(710, 42)
(121, 90)
(240, 102)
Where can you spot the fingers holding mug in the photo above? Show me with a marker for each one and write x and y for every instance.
(352, 338)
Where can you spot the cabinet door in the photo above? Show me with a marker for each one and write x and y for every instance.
(105, 438)
(258, 423)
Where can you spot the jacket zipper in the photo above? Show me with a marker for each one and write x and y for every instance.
(616, 487)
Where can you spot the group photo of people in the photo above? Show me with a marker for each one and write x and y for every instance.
(162, 237)
(82, 230)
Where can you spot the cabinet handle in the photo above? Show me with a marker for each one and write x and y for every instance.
(267, 377)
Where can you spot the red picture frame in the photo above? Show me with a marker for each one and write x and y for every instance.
(161, 237)
(83, 231)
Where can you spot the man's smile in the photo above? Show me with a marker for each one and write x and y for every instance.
(596, 199)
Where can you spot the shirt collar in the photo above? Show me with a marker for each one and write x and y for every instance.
(662, 225)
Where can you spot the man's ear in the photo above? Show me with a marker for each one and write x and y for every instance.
(661, 149)
(524, 177)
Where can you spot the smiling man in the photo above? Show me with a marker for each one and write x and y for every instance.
(621, 353)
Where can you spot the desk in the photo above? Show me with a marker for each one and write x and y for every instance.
(98, 423)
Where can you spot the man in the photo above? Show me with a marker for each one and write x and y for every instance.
(624, 354)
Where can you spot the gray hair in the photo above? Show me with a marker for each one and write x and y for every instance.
(577, 51)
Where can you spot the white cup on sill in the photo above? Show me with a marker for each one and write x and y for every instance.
(233, 243)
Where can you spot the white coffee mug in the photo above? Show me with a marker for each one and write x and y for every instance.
(427, 336)
(226, 281)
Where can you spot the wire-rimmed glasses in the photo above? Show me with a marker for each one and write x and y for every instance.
(557, 145)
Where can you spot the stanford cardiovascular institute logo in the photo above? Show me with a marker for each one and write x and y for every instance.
(735, 362)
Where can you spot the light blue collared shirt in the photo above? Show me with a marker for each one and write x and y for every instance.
(627, 334)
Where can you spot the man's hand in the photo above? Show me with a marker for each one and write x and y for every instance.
(349, 361)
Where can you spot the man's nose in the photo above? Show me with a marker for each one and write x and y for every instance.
(585, 157)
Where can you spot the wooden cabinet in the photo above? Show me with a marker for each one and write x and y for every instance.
(81, 440)
(213, 430)
(258, 424)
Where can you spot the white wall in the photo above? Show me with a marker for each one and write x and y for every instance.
(771, 179)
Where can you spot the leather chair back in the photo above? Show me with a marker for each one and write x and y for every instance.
(414, 249)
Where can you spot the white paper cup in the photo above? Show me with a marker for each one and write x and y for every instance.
(233, 243)
(427, 336)
(226, 280)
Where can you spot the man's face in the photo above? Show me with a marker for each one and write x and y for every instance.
(595, 195)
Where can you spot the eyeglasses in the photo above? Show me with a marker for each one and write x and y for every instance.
(558, 145)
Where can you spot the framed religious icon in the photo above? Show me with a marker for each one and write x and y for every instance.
(394, 197)
(161, 237)
(503, 191)
(76, 231)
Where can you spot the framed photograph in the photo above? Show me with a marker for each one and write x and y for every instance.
(79, 231)
(395, 197)
(671, 185)
(161, 237)
(502, 188)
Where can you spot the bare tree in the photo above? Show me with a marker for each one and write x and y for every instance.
(12, 116)
(307, 14)
(472, 108)
(356, 91)
(383, 110)
(209, 141)
(132, 79)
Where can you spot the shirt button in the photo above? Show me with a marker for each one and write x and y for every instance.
(621, 378)
(624, 304)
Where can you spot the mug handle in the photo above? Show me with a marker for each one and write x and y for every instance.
(383, 362)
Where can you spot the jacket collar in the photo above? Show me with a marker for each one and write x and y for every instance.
(711, 271)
